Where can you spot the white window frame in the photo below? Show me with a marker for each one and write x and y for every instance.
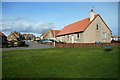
(103, 35)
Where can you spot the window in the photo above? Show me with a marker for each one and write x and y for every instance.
(64, 37)
(104, 35)
(68, 36)
(78, 36)
(97, 27)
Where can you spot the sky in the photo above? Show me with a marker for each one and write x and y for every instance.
(38, 17)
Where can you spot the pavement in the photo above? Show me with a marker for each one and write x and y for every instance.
(32, 45)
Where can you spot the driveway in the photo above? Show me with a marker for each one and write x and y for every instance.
(32, 45)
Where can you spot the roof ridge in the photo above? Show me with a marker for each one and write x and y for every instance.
(81, 20)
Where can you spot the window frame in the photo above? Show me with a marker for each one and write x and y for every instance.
(104, 35)
(67, 37)
(78, 35)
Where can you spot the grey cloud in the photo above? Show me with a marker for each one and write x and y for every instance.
(23, 24)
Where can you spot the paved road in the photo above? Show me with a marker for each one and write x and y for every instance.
(32, 45)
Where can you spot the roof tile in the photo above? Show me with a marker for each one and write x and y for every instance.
(76, 27)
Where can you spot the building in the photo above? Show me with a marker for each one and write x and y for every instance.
(50, 34)
(3, 40)
(15, 36)
(26, 36)
(89, 30)
(29, 37)
(43, 35)
(15, 39)
(32, 37)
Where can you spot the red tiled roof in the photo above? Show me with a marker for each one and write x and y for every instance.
(1, 34)
(56, 32)
(76, 27)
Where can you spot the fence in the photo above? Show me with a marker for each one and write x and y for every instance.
(79, 45)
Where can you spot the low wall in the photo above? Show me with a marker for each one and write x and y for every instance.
(79, 45)
(49, 43)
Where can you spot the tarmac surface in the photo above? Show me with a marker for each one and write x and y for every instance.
(32, 45)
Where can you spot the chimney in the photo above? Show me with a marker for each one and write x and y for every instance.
(91, 15)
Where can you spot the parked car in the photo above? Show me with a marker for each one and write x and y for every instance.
(45, 41)
(26, 43)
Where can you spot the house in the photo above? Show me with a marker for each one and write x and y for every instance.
(15, 39)
(18, 39)
(3, 40)
(15, 36)
(32, 37)
(43, 35)
(89, 30)
(26, 36)
(50, 34)
(29, 37)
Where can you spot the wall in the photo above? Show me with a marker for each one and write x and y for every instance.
(48, 35)
(91, 35)
(79, 45)
(68, 38)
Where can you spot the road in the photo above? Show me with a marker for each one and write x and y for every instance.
(32, 45)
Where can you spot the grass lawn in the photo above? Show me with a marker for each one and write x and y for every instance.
(61, 63)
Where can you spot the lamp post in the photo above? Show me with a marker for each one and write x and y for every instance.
(52, 26)
(54, 38)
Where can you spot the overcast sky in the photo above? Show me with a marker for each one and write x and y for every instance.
(38, 17)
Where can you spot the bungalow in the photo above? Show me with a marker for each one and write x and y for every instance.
(50, 34)
(88, 30)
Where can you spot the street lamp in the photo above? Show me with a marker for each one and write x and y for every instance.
(54, 38)
(52, 26)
